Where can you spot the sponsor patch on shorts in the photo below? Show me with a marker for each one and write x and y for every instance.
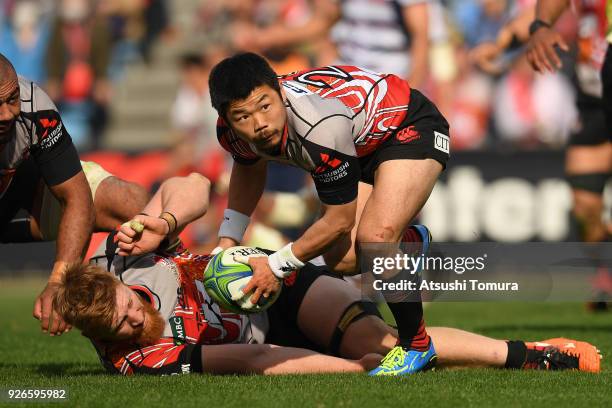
(442, 142)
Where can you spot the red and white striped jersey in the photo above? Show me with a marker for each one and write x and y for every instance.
(173, 285)
(335, 115)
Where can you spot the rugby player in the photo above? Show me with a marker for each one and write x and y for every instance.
(588, 160)
(34, 145)
(150, 314)
(374, 147)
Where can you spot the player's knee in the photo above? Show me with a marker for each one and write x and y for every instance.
(381, 233)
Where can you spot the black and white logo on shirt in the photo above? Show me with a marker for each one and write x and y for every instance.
(441, 142)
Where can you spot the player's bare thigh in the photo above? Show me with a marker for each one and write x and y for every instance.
(401, 188)
(328, 298)
(585, 159)
(323, 307)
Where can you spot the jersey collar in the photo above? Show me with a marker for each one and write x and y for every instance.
(284, 139)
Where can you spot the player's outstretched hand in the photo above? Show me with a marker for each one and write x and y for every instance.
(263, 283)
(141, 235)
(542, 52)
(484, 55)
(50, 321)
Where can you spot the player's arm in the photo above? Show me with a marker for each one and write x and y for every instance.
(178, 201)
(512, 35)
(416, 20)
(336, 221)
(325, 15)
(336, 173)
(541, 51)
(60, 168)
(75, 228)
(246, 186)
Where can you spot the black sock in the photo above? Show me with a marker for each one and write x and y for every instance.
(410, 326)
(517, 354)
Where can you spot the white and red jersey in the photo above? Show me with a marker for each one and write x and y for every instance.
(335, 115)
(40, 134)
(173, 285)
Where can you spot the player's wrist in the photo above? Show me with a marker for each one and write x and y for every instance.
(538, 24)
(234, 225)
(284, 261)
(170, 220)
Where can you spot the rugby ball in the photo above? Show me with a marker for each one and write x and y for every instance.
(224, 278)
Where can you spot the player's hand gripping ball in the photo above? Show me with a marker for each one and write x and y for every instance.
(224, 279)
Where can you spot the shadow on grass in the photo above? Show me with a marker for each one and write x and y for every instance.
(559, 328)
(56, 369)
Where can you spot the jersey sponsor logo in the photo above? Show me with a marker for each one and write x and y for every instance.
(441, 142)
(49, 128)
(334, 175)
(327, 163)
(47, 124)
(48, 140)
(178, 329)
(408, 134)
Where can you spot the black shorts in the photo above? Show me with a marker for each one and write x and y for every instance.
(423, 135)
(21, 193)
(606, 79)
(592, 122)
(283, 314)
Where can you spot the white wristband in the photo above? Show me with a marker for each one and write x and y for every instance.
(283, 261)
(234, 224)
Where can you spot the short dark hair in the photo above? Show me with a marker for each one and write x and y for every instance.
(192, 60)
(236, 77)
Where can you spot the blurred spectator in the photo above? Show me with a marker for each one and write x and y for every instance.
(533, 110)
(23, 38)
(480, 20)
(77, 63)
(156, 21)
(126, 22)
(385, 36)
(194, 120)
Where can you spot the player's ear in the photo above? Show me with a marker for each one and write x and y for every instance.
(283, 95)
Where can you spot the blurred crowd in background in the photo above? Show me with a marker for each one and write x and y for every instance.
(79, 51)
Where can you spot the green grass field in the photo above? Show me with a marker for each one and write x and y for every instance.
(30, 359)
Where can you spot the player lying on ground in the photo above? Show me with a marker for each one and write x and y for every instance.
(115, 201)
(150, 314)
(374, 147)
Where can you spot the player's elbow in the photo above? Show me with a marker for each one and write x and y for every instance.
(200, 185)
